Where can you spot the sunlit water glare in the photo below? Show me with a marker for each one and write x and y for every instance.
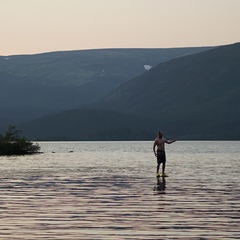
(108, 190)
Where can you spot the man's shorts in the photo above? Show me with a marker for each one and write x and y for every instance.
(161, 156)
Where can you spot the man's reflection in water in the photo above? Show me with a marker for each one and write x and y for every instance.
(161, 185)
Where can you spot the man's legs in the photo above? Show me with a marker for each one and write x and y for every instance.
(163, 167)
(158, 166)
(163, 164)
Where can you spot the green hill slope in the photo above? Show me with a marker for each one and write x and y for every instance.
(40, 84)
(199, 93)
(87, 124)
(191, 97)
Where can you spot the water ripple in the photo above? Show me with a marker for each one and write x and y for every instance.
(77, 200)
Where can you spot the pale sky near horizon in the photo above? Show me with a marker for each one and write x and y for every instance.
(37, 26)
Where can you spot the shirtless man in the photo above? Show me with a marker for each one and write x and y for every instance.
(159, 142)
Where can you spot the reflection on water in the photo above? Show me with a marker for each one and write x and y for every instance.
(108, 190)
(160, 186)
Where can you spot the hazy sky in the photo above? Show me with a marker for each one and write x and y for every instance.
(36, 26)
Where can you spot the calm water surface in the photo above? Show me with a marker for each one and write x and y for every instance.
(108, 190)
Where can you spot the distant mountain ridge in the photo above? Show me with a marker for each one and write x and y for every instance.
(40, 84)
(190, 97)
(200, 75)
(200, 91)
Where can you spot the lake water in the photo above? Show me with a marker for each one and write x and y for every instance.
(108, 190)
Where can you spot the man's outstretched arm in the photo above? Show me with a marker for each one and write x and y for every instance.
(170, 141)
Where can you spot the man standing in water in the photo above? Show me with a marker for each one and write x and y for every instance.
(159, 142)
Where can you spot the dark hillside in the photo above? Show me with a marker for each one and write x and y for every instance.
(87, 124)
(200, 92)
(40, 84)
(191, 97)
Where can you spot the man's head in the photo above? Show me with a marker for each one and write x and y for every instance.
(160, 134)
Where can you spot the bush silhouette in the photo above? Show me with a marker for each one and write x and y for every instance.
(12, 144)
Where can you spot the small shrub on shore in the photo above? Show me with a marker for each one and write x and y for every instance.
(12, 144)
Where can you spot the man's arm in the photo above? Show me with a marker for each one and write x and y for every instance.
(170, 141)
(154, 147)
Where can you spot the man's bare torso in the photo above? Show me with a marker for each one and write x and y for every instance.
(160, 142)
